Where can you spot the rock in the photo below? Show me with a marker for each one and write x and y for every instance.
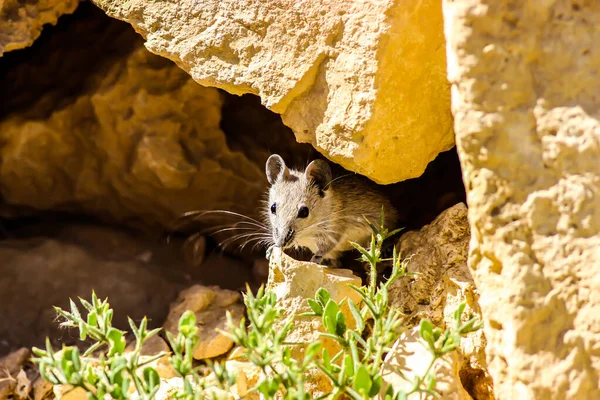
(13, 362)
(331, 69)
(210, 304)
(295, 281)
(42, 389)
(37, 274)
(63, 261)
(438, 253)
(23, 386)
(412, 358)
(110, 130)
(525, 99)
(65, 392)
(247, 376)
(22, 22)
(11, 373)
(152, 347)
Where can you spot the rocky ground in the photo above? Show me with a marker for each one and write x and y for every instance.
(43, 265)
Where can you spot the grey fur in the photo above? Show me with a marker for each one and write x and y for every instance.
(337, 209)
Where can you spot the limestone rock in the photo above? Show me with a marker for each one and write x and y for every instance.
(22, 22)
(362, 81)
(210, 305)
(247, 376)
(525, 100)
(127, 136)
(438, 254)
(295, 281)
(412, 358)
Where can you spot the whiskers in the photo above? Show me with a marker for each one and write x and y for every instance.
(330, 225)
(228, 228)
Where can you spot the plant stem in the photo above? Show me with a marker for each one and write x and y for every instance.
(417, 386)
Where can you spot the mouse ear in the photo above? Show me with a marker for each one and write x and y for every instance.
(319, 172)
(276, 169)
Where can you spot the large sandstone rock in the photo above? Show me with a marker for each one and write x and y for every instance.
(21, 22)
(438, 253)
(363, 81)
(525, 100)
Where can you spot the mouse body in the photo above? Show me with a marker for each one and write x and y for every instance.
(309, 209)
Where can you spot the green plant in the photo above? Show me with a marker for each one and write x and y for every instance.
(114, 370)
(354, 371)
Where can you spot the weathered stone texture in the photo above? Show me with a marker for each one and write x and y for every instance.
(132, 137)
(438, 253)
(21, 22)
(363, 81)
(294, 281)
(525, 100)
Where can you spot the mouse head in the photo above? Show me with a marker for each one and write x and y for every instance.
(299, 202)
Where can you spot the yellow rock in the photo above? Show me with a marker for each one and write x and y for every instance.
(363, 81)
(525, 97)
(409, 356)
(210, 304)
(22, 22)
(295, 281)
(438, 254)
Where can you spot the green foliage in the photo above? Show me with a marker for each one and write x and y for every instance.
(263, 342)
(354, 371)
(114, 370)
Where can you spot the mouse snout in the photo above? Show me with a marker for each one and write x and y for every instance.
(284, 237)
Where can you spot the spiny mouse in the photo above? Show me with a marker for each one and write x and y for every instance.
(310, 209)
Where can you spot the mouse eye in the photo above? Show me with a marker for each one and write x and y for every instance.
(303, 212)
(273, 208)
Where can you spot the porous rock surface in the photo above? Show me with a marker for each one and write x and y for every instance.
(362, 81)
(525, 100)
(21, 22)
(438, 254)
(294, 281)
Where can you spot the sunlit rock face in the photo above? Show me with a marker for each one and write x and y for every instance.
(525, 101)
(363, 81)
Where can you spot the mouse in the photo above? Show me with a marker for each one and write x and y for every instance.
(309, 209)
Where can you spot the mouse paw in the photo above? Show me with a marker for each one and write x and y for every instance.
(316, 259)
